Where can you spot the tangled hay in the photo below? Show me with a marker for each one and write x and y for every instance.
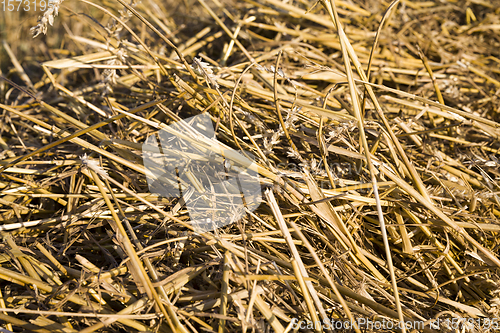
(375, 132)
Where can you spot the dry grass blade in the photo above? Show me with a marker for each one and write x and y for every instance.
(344, 42)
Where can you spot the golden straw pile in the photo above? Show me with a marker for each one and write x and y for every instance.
(374, 127)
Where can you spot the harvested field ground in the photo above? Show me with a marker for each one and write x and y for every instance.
(371, 130)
